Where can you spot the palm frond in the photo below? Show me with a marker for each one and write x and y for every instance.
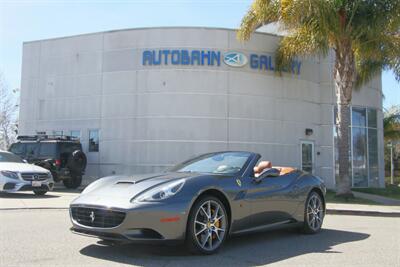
(261, 12)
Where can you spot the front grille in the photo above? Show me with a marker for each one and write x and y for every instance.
(31, 176)
(95, 217)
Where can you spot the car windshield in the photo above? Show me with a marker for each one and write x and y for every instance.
(8, 157)
(219, 163)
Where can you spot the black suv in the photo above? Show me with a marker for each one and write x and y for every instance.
(63, 156)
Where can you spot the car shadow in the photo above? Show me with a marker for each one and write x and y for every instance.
(255, 249)
(25, 195)
(67, 190)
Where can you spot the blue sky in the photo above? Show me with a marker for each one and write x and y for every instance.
(24, 20)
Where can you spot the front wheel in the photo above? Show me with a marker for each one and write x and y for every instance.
(73, 182)
(207, 226)
(313, 214)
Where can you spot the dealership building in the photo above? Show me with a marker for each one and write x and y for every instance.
(141, 100)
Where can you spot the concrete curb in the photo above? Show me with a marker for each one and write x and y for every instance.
(363, 213)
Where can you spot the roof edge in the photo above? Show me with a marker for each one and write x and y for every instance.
(145, 28)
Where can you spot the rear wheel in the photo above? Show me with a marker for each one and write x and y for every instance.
(313, 214)
(39, 192)
(207, 226)
(73, 182)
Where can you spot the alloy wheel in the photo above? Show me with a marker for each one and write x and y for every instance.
(210, 225)
(315, 212)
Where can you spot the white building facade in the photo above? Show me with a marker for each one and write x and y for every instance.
(141, 100)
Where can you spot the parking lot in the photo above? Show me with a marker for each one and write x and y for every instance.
(41, 237)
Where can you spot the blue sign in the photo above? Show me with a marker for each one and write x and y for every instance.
(181, 57)
(260, 62)
(235, 59)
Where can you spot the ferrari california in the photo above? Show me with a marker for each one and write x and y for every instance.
(201, 201)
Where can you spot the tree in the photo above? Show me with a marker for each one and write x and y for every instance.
(391, 124)
(391, 133)
(364, 34)
(8, 109)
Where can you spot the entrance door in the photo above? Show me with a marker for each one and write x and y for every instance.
(307, 156)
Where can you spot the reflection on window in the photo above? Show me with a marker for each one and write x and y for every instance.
(358, 116)
(93, 140)
(307, 157)
(360, 177)
(76, 134)
(363, 144)
(58, 133)
(372, 118)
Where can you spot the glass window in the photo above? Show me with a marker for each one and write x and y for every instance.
(31, 149)
(360, 178)
(307, 157)
(18, 148)
(47, 150)
(364, 165)
(8, 157)
(358, 117)
(372, 121)
(93, 140)
(222, 163)
(76, 134)
(58, 133)
(373, 157)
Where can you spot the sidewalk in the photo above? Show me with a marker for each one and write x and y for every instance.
(363, 210)
(377, 198)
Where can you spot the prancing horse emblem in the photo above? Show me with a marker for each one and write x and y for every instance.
(92, 217)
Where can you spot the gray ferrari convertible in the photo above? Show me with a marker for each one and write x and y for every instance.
(201, 202)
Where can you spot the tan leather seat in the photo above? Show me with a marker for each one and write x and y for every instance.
(284, 170)
(261, 166)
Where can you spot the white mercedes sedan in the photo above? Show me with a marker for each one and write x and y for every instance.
(17, 175)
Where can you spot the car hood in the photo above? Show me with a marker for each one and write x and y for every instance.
(21, 167)
(117, 191)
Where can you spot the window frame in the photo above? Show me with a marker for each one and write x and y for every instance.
(98, 140)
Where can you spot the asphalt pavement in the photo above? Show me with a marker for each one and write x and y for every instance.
(41, 237)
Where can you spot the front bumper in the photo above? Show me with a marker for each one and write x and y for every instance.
(143, 223)
(15, 185)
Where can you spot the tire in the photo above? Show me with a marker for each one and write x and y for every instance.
(73, 182)
(214, 230)
(77, 162)
(39, 192)
(313, 214)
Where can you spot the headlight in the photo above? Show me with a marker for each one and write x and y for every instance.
(160, 192)
(10, 174)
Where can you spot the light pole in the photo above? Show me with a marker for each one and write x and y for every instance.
(390, 145)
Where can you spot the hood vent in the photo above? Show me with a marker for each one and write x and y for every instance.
(125, 182)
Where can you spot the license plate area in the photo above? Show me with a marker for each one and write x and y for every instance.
(36, 184)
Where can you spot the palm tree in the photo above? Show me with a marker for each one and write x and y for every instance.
(391, 124)
(364, 34)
